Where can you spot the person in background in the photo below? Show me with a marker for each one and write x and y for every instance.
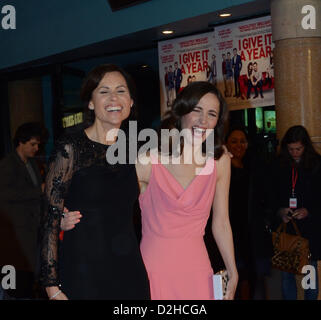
(229, 74)
(249, 79)
(224, 73)
(213, 70)
(188, 81)
(270, 71)
(171, 86)
(21, 200)
(295, 194)
(247, 216)
(166, 82)
(177, 77)
(257, 81)
(237, 66)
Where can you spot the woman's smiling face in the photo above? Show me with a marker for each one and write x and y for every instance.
(237, 144)
(111, 100)
(204, 116)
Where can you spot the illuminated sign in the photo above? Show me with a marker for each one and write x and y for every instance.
(72, 120)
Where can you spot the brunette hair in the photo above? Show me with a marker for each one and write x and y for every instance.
(186, 101)
(27, 131)
(91, 82)
(242, 128)
(310, 157)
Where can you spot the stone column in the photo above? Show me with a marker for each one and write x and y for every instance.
(296, 29)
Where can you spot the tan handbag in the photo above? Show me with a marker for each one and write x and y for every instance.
(291, 252)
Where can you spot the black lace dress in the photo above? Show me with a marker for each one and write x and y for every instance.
(100, 257)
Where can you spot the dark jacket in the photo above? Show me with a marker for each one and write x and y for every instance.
(20, 208)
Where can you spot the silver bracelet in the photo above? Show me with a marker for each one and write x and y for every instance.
(55, 295)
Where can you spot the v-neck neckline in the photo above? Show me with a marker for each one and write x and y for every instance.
(191, 182)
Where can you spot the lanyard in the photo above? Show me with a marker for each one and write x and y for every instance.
(294, 179)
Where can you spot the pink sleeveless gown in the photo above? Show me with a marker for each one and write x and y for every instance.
(173, 223)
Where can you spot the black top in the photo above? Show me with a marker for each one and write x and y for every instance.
(100, 257)
(239, 213)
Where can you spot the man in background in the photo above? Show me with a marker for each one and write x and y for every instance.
(229, 75)
(177, 77)
(166, 86)
(224, 73)
(237, 66)
(213, 70)
(257, 81)
(171, 86)
(21, 190)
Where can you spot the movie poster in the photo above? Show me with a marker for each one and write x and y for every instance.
(182, 61)
(245, 69)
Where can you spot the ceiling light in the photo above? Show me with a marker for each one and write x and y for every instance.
(167, 31)
(224, 15)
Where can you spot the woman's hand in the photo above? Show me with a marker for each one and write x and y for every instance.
(300, 213)
(52, 293)
(286, 214)
(231, 287)
(70, 219)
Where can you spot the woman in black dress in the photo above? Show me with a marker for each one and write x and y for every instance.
(248, 216)
(100, 259)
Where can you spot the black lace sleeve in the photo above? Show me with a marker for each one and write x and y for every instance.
(60, 172)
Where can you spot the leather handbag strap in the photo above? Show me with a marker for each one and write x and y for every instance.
(296, 228)
(283, 225)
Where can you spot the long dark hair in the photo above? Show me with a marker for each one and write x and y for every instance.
(186, 101)
(310, 158)
(90, 84)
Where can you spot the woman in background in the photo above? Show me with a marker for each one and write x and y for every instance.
(296, 175)
(247, 216)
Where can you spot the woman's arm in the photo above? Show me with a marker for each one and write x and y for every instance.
(252, 79)
(221, 227)
(57, 182)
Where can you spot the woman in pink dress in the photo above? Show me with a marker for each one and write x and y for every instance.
(177, 192)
